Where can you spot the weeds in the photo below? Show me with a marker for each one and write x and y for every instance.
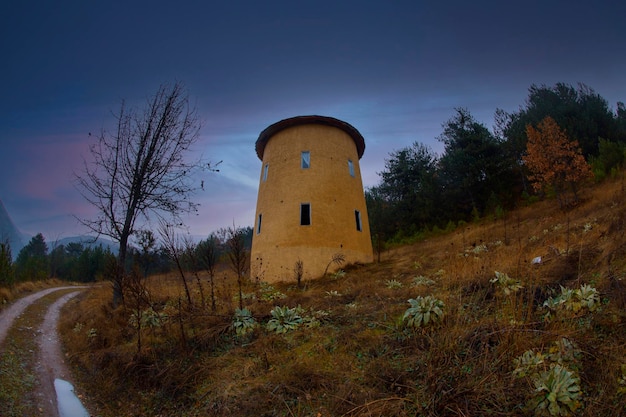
(243, 323)
(506, 284)
(338, 274)
(354, 349)
(284, 319)
(269, 293)
(572, 302)
(421, 280)
(393, 284)
(557, 392)
(424, 312)
(555, 377)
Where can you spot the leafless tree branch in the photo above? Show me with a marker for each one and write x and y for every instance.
(140, 171)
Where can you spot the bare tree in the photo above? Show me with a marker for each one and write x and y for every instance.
(193, 264)
(208, 252)
(238, 255)
(140, 170)
(175, 251)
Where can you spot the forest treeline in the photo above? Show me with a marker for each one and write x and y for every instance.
(559, 137)
(483, 172)
(80, 262)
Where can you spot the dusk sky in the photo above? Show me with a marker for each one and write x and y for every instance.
(395, 70)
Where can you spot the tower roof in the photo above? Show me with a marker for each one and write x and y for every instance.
(271, 130)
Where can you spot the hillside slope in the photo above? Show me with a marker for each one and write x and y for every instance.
(8, 231)
(526, 318)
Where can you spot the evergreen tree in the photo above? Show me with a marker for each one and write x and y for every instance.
(58, 261)
(32, 261)
(7, 276)
(473, 167)
(581, 112)
(407, 195)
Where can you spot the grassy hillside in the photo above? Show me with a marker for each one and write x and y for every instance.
(342, 348)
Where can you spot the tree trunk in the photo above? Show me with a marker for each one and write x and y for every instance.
(118, 280)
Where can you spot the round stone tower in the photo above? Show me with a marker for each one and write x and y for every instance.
(311, 206)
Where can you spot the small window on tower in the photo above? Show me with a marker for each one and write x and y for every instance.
(305, 214)
(351, 167)
(305, 160)
(258, 224)
(357, 216)
(265, 169)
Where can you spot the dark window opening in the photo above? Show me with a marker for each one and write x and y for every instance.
(305, 214)
(357, 216)
(258, 225)
(305, 159)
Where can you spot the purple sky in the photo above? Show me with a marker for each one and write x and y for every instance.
(395, 70)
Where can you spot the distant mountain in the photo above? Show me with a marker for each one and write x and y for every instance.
(86, 241)
(8, 232)
(17, 240)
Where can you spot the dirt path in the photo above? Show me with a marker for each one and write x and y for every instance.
(8, 315)
(50, 361)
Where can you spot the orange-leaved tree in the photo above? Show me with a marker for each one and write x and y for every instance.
(554, 160)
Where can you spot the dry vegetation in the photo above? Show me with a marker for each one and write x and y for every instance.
(352, 354)
(8, 295)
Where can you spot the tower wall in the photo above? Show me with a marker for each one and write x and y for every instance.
(334, 197)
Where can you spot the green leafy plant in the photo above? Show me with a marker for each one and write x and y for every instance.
(424, 311)
(243, 322)
(555, 377)
(311, 318)
(557, 392)
(573, 301)
(506, 284)
(478, 249)
(393, 284)
(588, 297)
(269, 293)
(92, 334)
(564, 352)
(147, 318)
(528, 363)
(284, 319)
(338, 274)
(421, 280)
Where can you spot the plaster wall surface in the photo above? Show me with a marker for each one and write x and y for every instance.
(327, 186)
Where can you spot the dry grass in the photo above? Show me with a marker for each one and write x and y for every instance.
(8, 295)
(360, 360)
